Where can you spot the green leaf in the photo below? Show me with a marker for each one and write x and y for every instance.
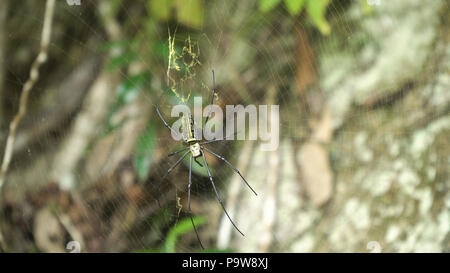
(316, 11)
(121, 60)
(147, 251)
(127, 92)
(161, 49)
(215, 250)
(129, 89)
(160, 9)
(144, 150)
(367, 9)
(113, 44)
(190, 12)
(294, 6)
(267, 5)
(182, 227)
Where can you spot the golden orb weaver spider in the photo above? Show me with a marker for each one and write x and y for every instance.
(196, 149)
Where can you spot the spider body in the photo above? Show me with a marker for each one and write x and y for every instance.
(196, 149)
(191, 140)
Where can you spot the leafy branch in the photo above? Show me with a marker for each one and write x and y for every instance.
(316, 10)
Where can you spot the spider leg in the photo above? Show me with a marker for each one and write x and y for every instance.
(177, 152)
(169, 171)
(231, 165)
(217, 194)
(198, 162)
(165, 123)
(189, 203)
(212, 96)
(174, 166)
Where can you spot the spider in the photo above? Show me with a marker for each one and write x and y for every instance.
(197, 149)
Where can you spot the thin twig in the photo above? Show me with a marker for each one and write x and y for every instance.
(92, 114)
(34, 76)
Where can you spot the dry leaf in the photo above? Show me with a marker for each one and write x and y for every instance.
(306, 62)
(315, 171)
(48, 233)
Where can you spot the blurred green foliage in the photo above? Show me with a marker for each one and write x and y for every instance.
(126, 57)
(183, 226)
(316, 10)
(294, 6)
(121, 60)
(188, 12)
(144, 150)
(127, 92)
(367, 9)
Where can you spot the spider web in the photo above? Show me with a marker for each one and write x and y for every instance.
(250, 52)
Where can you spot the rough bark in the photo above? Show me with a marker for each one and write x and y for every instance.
(389, 100)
